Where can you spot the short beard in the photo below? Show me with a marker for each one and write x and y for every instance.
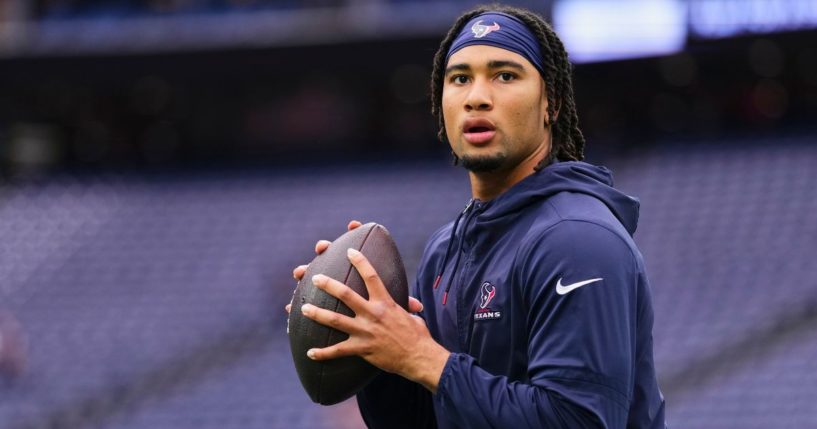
(483, 164)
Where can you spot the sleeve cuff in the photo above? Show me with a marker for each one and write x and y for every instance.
(443, 385)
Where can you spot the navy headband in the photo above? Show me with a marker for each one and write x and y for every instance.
(502, 31)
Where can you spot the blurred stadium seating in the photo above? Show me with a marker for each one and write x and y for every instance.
(157, 301)
(155, 157)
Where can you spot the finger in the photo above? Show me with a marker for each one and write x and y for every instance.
(340, 291)
(298, 272)
(288, 308)
(334, 351)
(414, 305)
(321, 246)
(367, 272)
(329, 318)
(353, 224)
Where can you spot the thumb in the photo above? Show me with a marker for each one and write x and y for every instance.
(414, 305)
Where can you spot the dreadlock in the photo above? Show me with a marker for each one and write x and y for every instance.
(566, 138)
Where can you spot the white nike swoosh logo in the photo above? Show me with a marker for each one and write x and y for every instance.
(561, 290)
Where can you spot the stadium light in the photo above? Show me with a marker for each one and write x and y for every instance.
(599, 30)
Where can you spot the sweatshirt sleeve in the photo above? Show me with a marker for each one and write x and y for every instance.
(391, 401)
(578, 286)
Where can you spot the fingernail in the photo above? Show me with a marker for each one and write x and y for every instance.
(306, 308)
(352, 253)
(317, 279)
(311, 354)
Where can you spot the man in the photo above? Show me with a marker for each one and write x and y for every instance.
(534, 308)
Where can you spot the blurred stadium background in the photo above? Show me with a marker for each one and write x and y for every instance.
(166, 163)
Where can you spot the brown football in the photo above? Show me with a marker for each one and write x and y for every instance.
(331, 381)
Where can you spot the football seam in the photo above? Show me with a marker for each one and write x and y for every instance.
(346, 279)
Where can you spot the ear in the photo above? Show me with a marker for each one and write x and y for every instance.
(551, 119)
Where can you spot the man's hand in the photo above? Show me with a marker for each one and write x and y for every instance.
(320, 247)
(298, 273)
(381, 332)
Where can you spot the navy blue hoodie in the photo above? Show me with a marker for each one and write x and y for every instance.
(542, 298)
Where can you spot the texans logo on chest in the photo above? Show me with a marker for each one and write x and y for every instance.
(487, 293)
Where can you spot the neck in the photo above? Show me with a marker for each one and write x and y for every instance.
(486, 186)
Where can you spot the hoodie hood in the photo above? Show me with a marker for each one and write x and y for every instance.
(568, 176)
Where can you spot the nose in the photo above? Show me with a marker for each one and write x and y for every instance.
(479, 97)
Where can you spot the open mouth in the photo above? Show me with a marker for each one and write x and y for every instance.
(478, 131)
(477, 125)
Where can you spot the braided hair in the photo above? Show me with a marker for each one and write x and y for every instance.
(566, 137)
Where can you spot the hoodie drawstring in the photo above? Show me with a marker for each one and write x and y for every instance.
(448, 253)
(456, 265)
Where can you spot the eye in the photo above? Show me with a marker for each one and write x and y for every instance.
(459, 79)
(506, 76)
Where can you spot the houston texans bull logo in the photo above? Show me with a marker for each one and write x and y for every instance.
(486, 294)
(481, 31)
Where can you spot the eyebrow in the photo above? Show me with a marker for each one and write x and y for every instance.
(457, 67)
(494, 64)
(497, 64)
